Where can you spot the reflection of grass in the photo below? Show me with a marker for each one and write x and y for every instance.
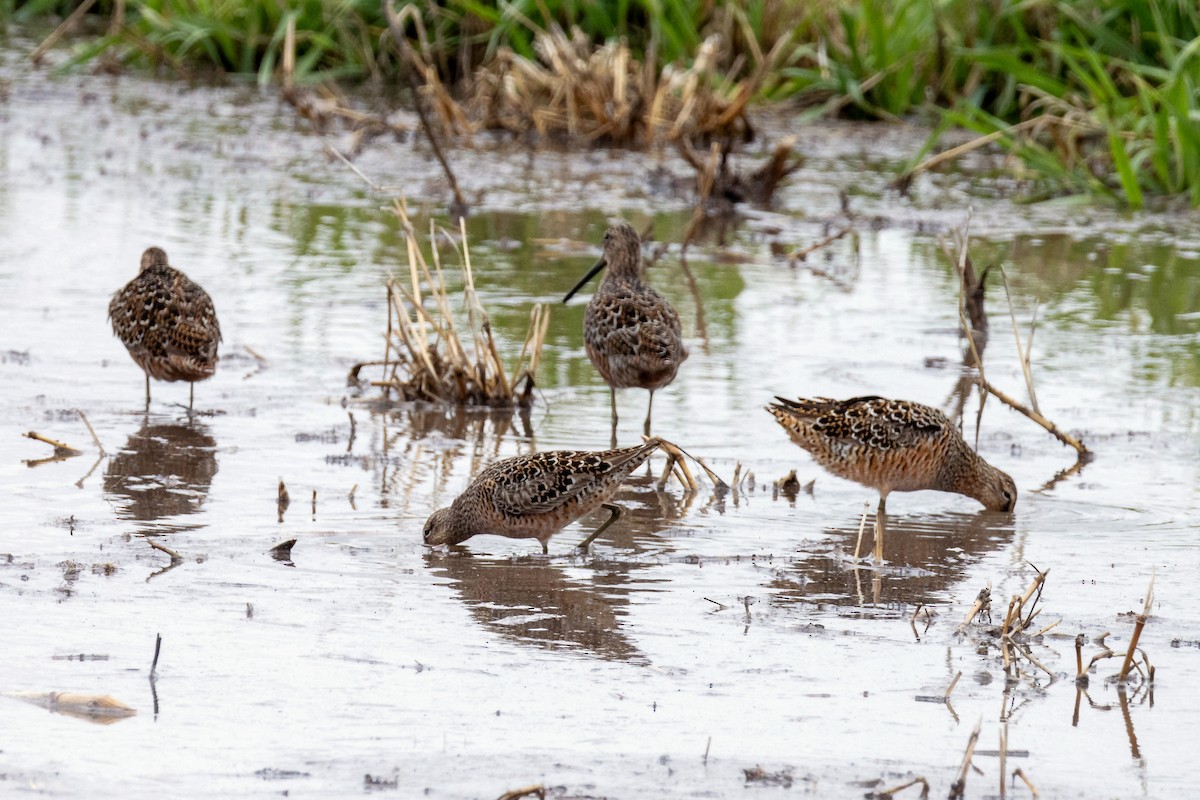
(1146, 290)
(1106, 90)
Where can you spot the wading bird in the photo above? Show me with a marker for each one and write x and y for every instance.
(892, 446)
(535, 496)
(631, 333)
(167, 323)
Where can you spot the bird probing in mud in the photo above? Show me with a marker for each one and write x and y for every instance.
(893, 446)
(167, 323)
(534, 496)
(631, 333)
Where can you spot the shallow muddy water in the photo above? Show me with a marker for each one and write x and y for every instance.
(704, 636)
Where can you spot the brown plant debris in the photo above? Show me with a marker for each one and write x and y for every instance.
(604, 93)
(892, 792)
(971, 302)
(100, 708)
(283, 550)
(757, 774)
(282, 499)
(61, 449)
(527, 791)
(424, 356)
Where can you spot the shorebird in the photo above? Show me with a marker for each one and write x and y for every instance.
(631, 333)
(892, 446)
(534, 496)
(167, 323)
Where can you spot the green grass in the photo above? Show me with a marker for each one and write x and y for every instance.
(1114, 81)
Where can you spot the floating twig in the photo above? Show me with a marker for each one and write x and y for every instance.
(175, 557)
(61, 449)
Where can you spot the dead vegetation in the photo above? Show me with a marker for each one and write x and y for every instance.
(426, 358)
(604, 93)
(975, 326)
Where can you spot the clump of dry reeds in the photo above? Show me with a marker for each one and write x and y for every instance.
(604, 93)
(425, 358)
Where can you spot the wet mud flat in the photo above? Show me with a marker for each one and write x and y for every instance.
(707, 646)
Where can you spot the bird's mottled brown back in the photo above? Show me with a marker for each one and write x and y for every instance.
(535, 495)
(887, 444)
(541, 483)
(633, 336)
(167, 322)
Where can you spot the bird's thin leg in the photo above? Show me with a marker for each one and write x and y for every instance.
(147, 390)
(613, 509)
(880, 528)
(612, 393)
(191, 395)
(648, 407)
(545, 547)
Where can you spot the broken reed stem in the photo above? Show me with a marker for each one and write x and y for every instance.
(175, 557)
(963, 149)
(862, 526)
(1137, 631)
(1050, 427)
(1003, 755)
(982, 601)
(897, 789)
(1020, 773)
(92, 431)
(802, 255)
(60, 448)
(62, 30)
(1079, 658)
(1022, 353)
(959, 786)
(953, 683)
(396, 26)
(157, 650)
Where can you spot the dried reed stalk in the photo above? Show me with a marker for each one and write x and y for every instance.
(960, 785)
(425, 358)
(961, 258)
(1137, 632)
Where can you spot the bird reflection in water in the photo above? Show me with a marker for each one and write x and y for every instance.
(163, 472)
(930, 558)
(531, 599)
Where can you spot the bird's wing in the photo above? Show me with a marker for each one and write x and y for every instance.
(541, 482)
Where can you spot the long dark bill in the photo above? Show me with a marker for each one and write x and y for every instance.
(601, 264)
